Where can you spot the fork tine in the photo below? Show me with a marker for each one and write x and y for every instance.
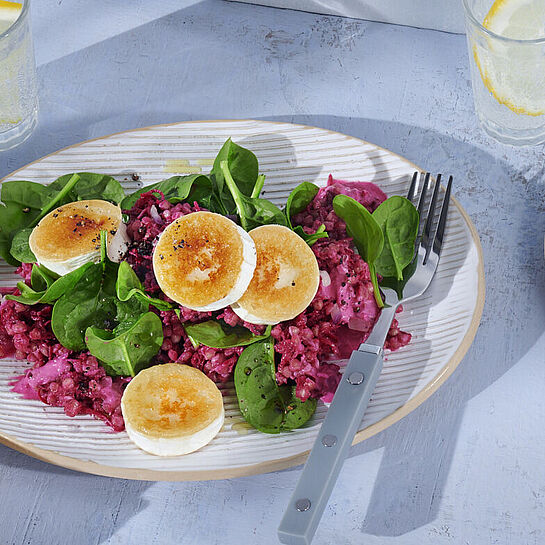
(427, 241)
(421, 204)
(422, 200)
(414, 187)
(438, 240)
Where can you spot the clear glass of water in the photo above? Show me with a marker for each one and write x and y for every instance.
(18, 88)
(506, 43)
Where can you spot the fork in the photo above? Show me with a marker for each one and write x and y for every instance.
(346, 411)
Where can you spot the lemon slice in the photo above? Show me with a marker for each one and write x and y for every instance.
(517, 19)
(9, 11)
(514, 73)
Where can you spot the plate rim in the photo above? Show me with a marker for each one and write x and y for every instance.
(87, 466)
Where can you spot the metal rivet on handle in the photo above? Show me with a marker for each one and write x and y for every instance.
(329, 440)
(303, 504)
(355, 378)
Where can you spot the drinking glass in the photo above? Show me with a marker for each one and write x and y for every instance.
(508, 79)
(18, 89)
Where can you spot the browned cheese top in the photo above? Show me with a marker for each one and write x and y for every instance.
(73, 229)
(171, 400)
(198, 258)
(286, 277)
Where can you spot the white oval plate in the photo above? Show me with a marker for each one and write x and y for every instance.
(443, 322)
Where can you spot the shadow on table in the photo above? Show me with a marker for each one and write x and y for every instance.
(62, 505)
(416, 461)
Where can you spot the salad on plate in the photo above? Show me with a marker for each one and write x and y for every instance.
(199, 271)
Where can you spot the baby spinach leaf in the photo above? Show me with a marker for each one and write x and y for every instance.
(28, 295)
(26, 203)
(366, 232)
(127, 352)
(299, 199)
(193, 188)
(264, 404)
(399, 285)
(17, 215)
(311, 238)
(90, 302)
(64, 283)
(13, 216)
(256, 191)
(90, 185)
(217, 334)
(54, 290)
(243, 167)
(252, 212)
(20, 247)
(42, 278)
(128, 285)
(29, 194)
(58, 197)
(398, 220)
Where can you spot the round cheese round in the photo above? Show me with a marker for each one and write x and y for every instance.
(204, 261)
(172, 409)
(285, 280)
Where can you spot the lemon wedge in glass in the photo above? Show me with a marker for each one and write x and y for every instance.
(514, 72)
(9, 11)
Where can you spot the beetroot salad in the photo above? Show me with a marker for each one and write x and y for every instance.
(340, 316)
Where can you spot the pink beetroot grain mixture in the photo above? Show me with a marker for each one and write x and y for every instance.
(340, 317)
(58, 376)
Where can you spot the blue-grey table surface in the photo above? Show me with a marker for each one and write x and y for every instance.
(466, 467)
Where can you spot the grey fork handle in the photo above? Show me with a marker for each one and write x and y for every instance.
(331, 447)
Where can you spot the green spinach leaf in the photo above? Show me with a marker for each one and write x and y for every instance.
(64, 283)
(399, 285)
(398, 220)
(42, 278)
(90, 185)
(28, 295)
(20, 247)
(256, 191)
(264, 404)
(92, 301)
(18, 216)
(253, 212)
(298, 200)
(243, 167)
(217, 334)
(13, 216)
(366, 232)
(28, 194)
(311, 238)
(53, 289)
(57, 198)
(128, 285)
(129, 351)
(193, 188)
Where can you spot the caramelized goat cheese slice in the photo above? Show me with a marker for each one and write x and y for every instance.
(285, 280)
(204, 261)
(172, 409)
(69, 236)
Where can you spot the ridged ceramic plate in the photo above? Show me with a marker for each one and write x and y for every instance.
(443, 322)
